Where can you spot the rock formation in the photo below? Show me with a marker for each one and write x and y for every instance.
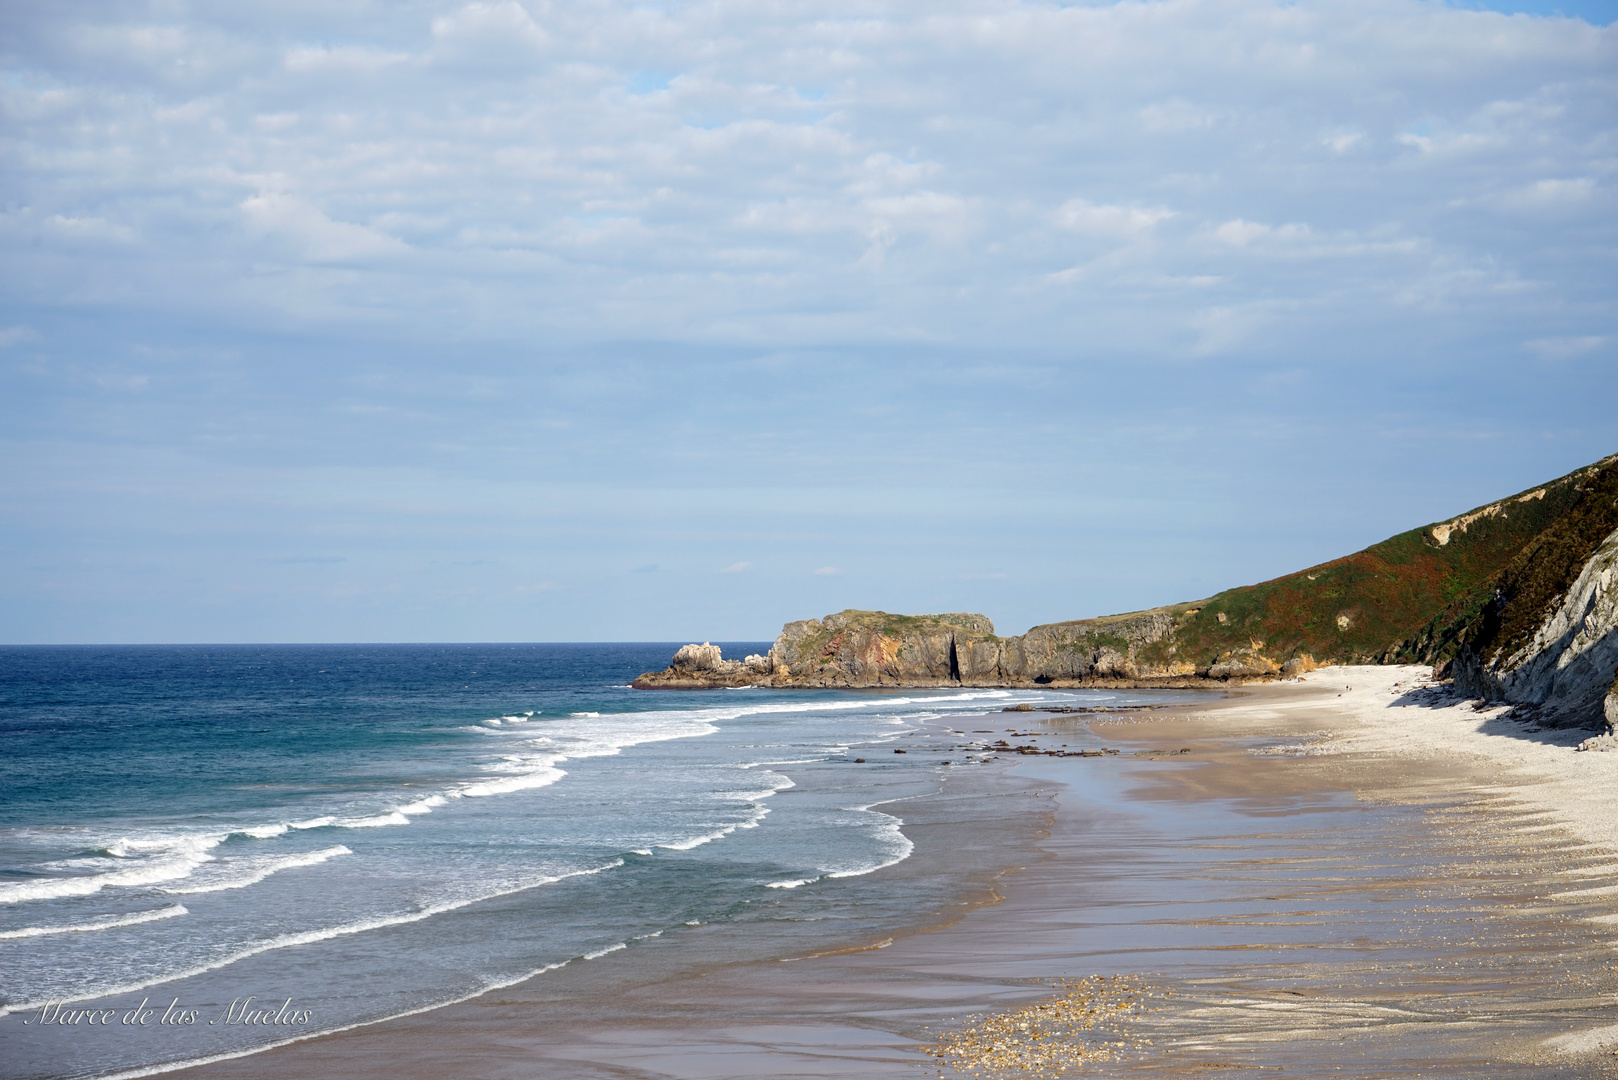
(873, 648)
(697, 667)
(1564, 662)
(1517, 600)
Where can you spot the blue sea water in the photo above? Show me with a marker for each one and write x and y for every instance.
(373, 830)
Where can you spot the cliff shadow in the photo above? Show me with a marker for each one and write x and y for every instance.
(1531, 723)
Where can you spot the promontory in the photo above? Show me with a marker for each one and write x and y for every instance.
(1516, 601)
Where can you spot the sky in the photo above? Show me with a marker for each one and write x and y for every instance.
(526, 321)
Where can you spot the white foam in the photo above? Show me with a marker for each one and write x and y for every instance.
(313, 823)
(108, 923)
(760, 811)
(754, 796)
(376, 821)
(174, 858)
(793, 884)
(522, 772)
(541, 777)
(698, 841)
(899, 846)
(240, 873)
(599, 953)
(311, 937)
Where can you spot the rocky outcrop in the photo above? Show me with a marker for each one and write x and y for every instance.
(1566, 664)
(1513, 599)
(702, 667)
(874, 648)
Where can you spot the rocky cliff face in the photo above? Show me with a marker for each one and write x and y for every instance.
(873, 648)
(1515, 598)
(1566, 663)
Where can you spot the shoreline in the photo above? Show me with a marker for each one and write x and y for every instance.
(1433, 817)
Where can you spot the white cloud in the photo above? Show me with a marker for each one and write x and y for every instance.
(1563, 348)
(829, 571)
(737, 568)
(1104, 220)
(343, 58)
(89, 229)
(17, 335)
(1176, 116)
(1240, 233)
(1551, 194)
(489, 37)
(455, 257)
(318, 237)
(835, 175)
(1223, 329)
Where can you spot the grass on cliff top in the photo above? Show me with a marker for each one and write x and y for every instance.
(1540, 574)
(885, 623)
(1406, 599)
(817, 643)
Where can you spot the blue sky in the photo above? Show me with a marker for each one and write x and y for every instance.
(495, 321)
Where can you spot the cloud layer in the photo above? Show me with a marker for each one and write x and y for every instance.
(594, 243)
(747, 172)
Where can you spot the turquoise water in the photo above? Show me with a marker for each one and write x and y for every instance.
(371, 830)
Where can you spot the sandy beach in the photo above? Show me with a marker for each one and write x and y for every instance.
(1353, 874)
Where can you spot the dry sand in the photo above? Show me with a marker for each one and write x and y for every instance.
(1349, 875)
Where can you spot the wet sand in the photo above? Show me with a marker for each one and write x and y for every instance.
(1383, 884)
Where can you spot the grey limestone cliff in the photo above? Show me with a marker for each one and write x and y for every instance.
(1567, 665)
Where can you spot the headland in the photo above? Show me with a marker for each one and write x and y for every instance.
(1517, 601)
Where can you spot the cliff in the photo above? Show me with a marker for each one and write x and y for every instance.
(873, 648)
(1548, 636)
(1517, 598)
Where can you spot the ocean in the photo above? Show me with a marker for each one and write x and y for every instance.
(207, 850)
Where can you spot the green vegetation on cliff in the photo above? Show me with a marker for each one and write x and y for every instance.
(1473, 585)
(1415, 596)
